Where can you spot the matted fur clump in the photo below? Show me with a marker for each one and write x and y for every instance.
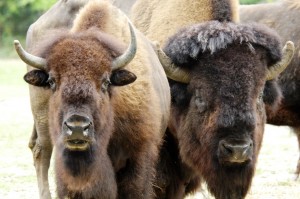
(187, 45)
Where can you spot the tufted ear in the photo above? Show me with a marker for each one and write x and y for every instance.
(37, 78)
(272, 96)
(122, 77)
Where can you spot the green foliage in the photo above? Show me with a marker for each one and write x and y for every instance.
(15, 18)
(255, 1)
(249, 1)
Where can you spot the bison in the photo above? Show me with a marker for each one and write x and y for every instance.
(107, 108)
(217, 73)
(284, 18)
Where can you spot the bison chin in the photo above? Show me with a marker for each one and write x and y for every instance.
(231, 182)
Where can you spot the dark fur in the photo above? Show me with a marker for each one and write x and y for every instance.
(222, 10)
(228, 64)
(284, 19)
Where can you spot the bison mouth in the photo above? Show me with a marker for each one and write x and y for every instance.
(77, 144)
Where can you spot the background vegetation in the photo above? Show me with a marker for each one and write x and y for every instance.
(15, 18)
(17, 15)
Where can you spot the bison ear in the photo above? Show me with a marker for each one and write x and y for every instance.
(122, 77)
(37, 78)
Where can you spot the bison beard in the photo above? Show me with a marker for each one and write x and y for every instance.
(77, 161)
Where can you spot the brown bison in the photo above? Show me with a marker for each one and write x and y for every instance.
(218, 71)
(284, 18)
(108, 108)
(159, 20)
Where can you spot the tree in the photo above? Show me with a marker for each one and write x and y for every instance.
(254, 1)
(17, 15)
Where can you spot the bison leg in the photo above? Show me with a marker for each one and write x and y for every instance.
(136, 179)
(297, 131)
(41, 148)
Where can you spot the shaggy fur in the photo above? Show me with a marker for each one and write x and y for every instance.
(223, 101)
(280, 19)
(127, 122)
(189, 43)
(147, 15)
(60, 15)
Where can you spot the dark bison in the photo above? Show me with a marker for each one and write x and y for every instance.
(284, 18)
(217, 73)
(108, 108)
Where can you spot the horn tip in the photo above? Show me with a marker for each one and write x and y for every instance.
(290, 45)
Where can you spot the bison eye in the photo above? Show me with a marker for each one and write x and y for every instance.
(51, 83)
(105, 85)
(200, 104)
(260, 97)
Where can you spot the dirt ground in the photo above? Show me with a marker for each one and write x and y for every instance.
(274, 177)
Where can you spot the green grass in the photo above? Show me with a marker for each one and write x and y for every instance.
(11, 79)
(17, 173)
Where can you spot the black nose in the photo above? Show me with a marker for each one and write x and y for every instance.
(78, 124)
(235, 152)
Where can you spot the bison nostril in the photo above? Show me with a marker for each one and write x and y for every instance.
(77, 123)
(227, 148)
(240, 152)
(87, 126)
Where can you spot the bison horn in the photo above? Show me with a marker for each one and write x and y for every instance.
(34, 61)
(129, 54)
(172, 71)
(277, 68)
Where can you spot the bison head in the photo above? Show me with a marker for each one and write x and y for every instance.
(81, 70)
(217, 75)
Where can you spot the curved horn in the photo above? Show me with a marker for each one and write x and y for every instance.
(34, 61)
(129, 54)
(172, 71)
(287, 55)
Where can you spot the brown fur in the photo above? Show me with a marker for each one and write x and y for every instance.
(223, 101)
(60, 15)
(284, 18)
(158, 20)
(128, 121)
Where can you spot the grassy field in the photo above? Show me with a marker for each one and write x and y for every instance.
(273, 179)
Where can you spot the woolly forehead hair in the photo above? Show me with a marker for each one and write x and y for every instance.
(53, 37)
(212, 36)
